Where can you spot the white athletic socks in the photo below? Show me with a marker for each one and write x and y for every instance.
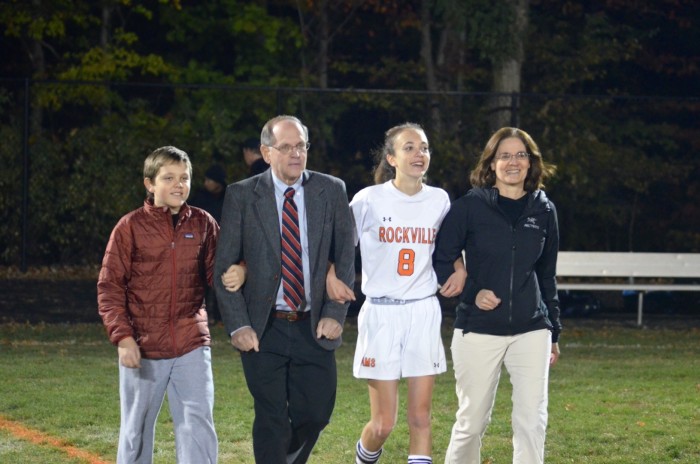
(362, 456)
(418, 459)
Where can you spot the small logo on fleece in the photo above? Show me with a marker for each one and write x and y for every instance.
(531, 222)
(189, 235)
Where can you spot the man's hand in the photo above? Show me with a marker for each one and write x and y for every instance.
(129, 353)
(234, 277)
(328, 328)
(486, 300)
(245, 339)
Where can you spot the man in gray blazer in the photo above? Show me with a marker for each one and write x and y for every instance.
(287, 345)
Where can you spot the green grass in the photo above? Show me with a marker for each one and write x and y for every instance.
(618, 395)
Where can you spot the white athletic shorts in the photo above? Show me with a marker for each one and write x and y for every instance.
(399, 340)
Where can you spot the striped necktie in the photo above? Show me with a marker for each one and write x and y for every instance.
(292, 271)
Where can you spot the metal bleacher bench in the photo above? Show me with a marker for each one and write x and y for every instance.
(641, 272)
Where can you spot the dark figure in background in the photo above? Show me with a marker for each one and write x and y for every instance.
(211, 196)
(211, 199)
(253, 158)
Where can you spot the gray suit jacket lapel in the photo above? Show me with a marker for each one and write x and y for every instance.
(266, 210)
(315, 203)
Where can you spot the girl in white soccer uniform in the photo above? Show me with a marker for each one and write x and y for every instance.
(399, 323)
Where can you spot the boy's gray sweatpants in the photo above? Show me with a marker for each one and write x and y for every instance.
(189, 383)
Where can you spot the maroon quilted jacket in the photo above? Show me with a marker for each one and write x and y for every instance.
(154, 278)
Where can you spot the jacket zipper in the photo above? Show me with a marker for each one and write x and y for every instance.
(173, 289)
(528, 211)
(513, 229)
(512, 277)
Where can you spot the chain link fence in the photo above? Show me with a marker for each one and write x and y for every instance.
(73, 154)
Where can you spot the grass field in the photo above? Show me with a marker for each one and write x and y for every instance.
(618, 395)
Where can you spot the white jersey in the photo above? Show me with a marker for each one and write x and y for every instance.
(397, 239)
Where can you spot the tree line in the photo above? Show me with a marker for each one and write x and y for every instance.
(608, 89)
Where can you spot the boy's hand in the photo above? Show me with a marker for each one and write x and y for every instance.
(234, 277)
(336, 288)
(129, 353)
(245, 339)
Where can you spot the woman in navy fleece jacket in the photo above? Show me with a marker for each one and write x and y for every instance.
(509, 309)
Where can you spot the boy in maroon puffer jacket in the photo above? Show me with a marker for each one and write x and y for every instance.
(156, 269)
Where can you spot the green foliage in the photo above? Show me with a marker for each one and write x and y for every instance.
(206, 75)
(40, 20)
(81, 186)
(115, 63)
(240, 38)
(490, 27)
(11, 157)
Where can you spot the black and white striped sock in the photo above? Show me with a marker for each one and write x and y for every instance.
(362, 456)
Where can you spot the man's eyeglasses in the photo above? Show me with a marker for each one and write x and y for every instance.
(519, 156)
(288, 149)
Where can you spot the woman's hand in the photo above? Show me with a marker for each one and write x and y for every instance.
(486, 300)
(337, 290)
(554, 356)
(454, 284)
